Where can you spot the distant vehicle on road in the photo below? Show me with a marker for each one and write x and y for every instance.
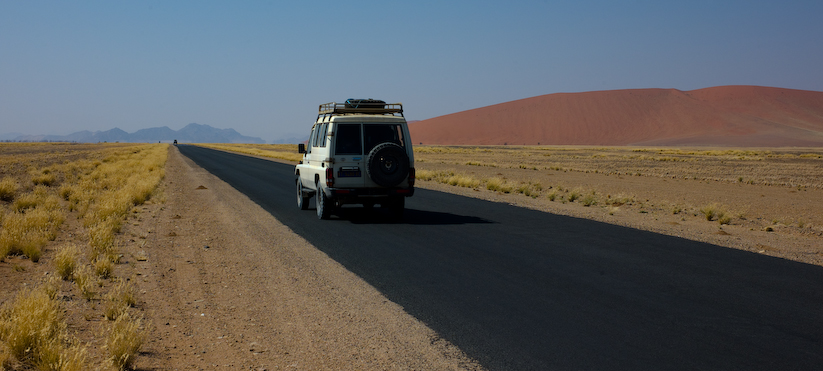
(175, 142)
(359, 152)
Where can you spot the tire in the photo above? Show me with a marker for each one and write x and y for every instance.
(302, 199)
(323, 204)
(387, 164)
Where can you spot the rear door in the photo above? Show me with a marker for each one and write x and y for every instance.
(377, 133)
(349, 170)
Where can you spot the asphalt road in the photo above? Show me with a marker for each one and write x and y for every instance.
(519, 289)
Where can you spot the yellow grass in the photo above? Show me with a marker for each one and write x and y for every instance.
(98, 184)
(449, 177)
(103, 267)
(30, 226)
(86, 282)
(119, 299)
(66, 261)
(766, 167)
(8, 189)
(33, 334)
(286, 152)
(716, 212)
(589, 199)
(125, 337)
(45, 178)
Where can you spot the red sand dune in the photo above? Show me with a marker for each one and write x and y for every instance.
(741, 116)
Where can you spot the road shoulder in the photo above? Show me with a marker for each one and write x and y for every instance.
(227, 285)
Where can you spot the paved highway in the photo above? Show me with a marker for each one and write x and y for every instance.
(519, 289)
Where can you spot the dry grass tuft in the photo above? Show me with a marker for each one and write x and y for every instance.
(119, 299)
(101, 238)
(28, 232)
(25, 202)
(724, 219)
(449, 177)
(499, 185)
(31, 328)
(125, 337)
(530, 189)
(66, 191)
(574, 195)
(67, 260)
(711, 211)
(8, 189)
(425, 175)
(461, 180)
(45, 178)
(716, 212)
(51, 285)
(73, 358)
(103, 267)
(33, 334)
(589, 199)
(86, 281)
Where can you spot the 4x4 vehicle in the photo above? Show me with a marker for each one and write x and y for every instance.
(359, 152)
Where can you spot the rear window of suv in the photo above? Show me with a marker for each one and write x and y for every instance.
(348, 138)
(375, 134)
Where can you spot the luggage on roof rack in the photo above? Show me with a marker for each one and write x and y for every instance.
(365, 103)
(362, 106)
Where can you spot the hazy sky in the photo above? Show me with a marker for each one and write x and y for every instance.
(262, 67)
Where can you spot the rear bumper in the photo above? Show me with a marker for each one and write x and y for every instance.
(356, 195)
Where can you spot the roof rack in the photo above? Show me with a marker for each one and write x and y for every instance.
(369, 108)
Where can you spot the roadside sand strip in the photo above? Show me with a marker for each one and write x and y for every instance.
(227, 285)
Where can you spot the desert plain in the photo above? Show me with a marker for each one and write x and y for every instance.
(220, 284)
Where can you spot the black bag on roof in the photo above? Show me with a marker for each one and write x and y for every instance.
(365, 103)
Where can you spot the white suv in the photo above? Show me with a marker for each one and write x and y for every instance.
(359, 152)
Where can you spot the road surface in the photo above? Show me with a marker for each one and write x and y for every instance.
(520, 289)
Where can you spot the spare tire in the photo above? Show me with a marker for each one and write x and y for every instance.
(387, 164)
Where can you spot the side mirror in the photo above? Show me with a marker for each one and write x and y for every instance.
(301, 148)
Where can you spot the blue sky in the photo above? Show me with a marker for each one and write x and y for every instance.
(262, 67)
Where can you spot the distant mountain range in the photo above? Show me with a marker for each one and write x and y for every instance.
(192, 133)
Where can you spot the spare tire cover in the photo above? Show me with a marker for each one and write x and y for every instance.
(387, 164)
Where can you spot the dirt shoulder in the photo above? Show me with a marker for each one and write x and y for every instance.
(227, 286)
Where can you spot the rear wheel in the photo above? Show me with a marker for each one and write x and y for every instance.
(323, 204)
(302, 199)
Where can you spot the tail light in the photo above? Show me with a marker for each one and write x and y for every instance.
(329, 177)
(411, 177)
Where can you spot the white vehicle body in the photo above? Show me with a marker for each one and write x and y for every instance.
(357, 154)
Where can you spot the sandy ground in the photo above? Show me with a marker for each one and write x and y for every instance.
(226, 286)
